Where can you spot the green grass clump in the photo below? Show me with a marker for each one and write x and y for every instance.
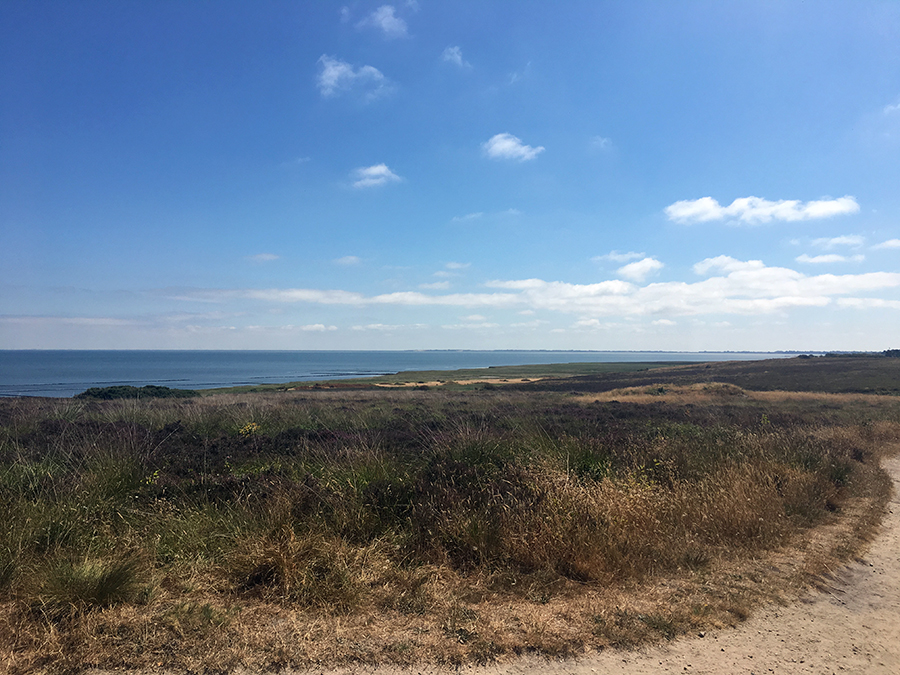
(88, 583)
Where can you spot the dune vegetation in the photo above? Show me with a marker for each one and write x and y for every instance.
(291, 528)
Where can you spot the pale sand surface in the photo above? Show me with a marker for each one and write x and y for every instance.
(853, 626)
(438, 383)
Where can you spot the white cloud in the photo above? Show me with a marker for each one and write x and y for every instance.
(454, 55)
(724, 263)
(892, 109)
(378, 327)
(733, 287)
(457, 265)
(481, 214)
(600, 143)
(664, 322)
(518, 75)
(471, 326)
(616, 256)
(336, 76)
(312, 295)
(890, 243)
(755, 210)
(868, 303)
(852, 240)
(385, 20)
(507, 146)
(640, 270)
(297, 161)
(536, 323)
(263, 257)
(829, 258)
(474, 317)
(469, 216)
(348, 260)
(314, 328)
(436, 286)
(374, 176)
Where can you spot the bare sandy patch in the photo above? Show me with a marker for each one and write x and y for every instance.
(440, 383)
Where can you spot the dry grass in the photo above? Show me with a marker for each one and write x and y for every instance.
(270, 531)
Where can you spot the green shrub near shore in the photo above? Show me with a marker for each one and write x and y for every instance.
(128, 391)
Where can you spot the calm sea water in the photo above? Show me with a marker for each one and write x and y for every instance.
(66, 373)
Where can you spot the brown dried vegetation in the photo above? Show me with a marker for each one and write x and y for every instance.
(288, 529)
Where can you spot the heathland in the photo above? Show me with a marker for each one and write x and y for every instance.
(447, 517)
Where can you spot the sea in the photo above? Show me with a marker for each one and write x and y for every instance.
(64, 373)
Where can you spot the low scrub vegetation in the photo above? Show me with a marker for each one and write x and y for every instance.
(129, 391)
(249, 529)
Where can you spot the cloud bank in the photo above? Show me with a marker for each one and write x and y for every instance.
(729, 286)
(755, 210)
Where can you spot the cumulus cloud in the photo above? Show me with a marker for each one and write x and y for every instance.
(436, 286)
(457, 265)
(348, 260)
(336, 77)
(829, 258)
(454, 55)
(386, 20)
(640, 270)
(890, 243)
(374, 176)
(507, 146)
(755, 210)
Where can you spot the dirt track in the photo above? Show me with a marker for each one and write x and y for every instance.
(851, 627)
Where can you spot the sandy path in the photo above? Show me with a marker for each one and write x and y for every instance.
(854, 627)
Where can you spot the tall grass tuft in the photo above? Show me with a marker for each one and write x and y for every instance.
(89, 582)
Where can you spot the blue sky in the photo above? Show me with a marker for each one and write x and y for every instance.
(477, 175)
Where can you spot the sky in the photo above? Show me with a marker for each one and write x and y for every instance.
(437, 174)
